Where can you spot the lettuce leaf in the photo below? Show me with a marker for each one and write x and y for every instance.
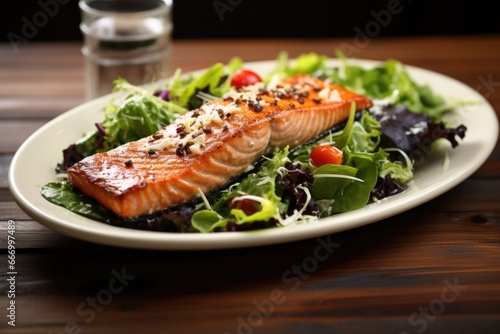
(309, 63)
(63, 194)
(261, 185)
(392, 82)
(142, 113)
(414, 134)
(138, 116)
(214, 81)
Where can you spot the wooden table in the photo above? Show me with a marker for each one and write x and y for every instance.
(433, 269)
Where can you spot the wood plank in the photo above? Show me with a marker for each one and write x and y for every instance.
(361, 282)
(15, 132)
(5, 160)
(36, 107)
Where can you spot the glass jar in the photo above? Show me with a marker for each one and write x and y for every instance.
(125, 38)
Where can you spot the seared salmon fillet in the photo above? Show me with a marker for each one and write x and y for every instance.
(206, 147)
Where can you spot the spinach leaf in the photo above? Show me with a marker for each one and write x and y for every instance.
(63, 194)
(345, 187)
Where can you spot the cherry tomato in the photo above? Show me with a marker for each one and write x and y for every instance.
(244, 77)
(246, 205)
(325, 154)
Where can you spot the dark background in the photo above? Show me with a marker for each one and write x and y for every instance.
(275, 19)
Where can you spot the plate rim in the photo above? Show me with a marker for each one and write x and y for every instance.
(124, 237)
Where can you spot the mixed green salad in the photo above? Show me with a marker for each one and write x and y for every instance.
(365, 159)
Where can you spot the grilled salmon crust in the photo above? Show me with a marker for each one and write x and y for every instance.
(206, 147)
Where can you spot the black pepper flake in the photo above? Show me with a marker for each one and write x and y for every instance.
(157, 135)
(207, 130)
(183, 150)
(301, 100)
(258, 98)
(316, 88)
(224, 128)
(237, 102)
(221, 113)
(257, 107)
(128, 163)
(180, 128)
(228, 99)
(196, 114)
(291, 105)
(151, 152)
(263, 91)
(317, 100)
(180, 151)
(228, 115)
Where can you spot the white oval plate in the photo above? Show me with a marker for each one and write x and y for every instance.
(34, 162)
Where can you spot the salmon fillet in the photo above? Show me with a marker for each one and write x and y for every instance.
(206, 147)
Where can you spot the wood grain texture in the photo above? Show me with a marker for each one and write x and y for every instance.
(432, 269)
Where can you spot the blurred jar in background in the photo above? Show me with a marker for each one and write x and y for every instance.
(125, 38)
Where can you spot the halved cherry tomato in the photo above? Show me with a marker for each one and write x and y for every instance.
(244, 77)
(248, 206)
(326, 154)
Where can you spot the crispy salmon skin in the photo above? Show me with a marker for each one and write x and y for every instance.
(206, 147)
